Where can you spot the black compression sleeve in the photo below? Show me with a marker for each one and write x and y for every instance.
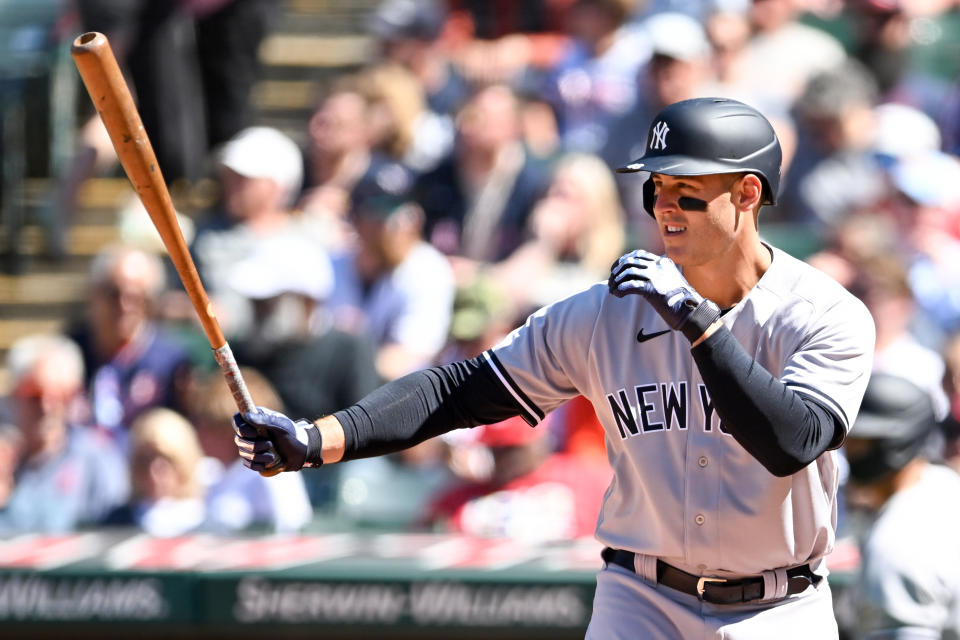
(784, 430)
(424, 404)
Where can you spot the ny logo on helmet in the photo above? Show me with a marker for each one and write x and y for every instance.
(659, 140)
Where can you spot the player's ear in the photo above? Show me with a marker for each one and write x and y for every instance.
(748, 192)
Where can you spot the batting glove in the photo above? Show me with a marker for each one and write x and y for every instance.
(658, 279)
(268, 440)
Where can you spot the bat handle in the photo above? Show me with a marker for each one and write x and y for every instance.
(238, 388)
(231, 373)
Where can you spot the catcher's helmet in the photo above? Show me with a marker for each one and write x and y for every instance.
(704, 136)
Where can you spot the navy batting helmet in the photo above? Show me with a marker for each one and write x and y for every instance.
(895, 421)
(704, 136)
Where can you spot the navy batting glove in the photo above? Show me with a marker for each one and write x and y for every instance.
(268, 440)
(658, 279)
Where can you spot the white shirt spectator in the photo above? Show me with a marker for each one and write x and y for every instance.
(238, 498)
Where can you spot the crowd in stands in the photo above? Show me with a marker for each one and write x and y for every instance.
(436, 196)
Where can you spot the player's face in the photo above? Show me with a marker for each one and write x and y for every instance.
(696, 217)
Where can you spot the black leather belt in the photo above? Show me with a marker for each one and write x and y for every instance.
(714, 590)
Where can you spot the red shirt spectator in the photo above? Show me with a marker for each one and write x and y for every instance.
(533, 494)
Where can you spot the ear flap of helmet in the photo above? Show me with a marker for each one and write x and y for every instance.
(648, 196)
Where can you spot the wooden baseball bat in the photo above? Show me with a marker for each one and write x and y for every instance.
(101, 75)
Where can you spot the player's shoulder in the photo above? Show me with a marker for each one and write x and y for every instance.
(791, 277)
(576, 316)
(588, 300)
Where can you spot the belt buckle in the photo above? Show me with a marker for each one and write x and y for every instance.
(701, 583)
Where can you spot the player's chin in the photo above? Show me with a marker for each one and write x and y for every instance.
(675, 249)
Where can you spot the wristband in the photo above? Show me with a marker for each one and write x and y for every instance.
(314, 447)
(700, 320)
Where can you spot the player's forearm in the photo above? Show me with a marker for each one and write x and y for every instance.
(782, 429)
(417, 407)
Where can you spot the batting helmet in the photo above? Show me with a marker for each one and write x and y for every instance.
(704, 136)
(896, 418)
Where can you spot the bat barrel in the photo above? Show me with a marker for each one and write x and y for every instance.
(108, 90)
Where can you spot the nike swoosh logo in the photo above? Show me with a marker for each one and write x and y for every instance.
(643, 337)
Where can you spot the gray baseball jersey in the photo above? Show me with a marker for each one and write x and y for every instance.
(910, 585)
(683, 489)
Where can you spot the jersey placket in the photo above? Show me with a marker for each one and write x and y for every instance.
(702, 496)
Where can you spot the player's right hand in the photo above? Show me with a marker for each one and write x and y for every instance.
(659, 280)
(269, 441)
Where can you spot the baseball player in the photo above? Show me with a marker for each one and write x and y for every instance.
(724, 373)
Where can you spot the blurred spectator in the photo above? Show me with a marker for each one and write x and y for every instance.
(314, 367)
(192, 64)
(836, 169)
(237, 498)
(154, 42)
(477, 200)
(482, 315)
(409, 33)
(729, 31)
(228, 35)
(342, 164)
(855, 240)
(65, 475)
(501, 18)
(532, 495)
(910, 48)
(539, 128)
(902, 131)
(910, 572)
(402, 124)
(132, 363)
(577, 231)
(595, 82)
(167, 498)
(784, 53)
(678, 69)
(926, 210)
(393, 288)
(261, 170)
(9, 452)
(882, 285)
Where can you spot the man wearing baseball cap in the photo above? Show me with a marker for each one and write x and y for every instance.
(260, 170)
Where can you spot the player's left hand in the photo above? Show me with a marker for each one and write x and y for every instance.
(658, 279)
(270, 441)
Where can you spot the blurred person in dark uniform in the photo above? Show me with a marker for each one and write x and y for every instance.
(910, 572)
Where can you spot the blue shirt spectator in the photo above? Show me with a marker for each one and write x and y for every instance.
(66, 476)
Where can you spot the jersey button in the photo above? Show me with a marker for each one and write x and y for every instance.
(702, 461)
(699, 519)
